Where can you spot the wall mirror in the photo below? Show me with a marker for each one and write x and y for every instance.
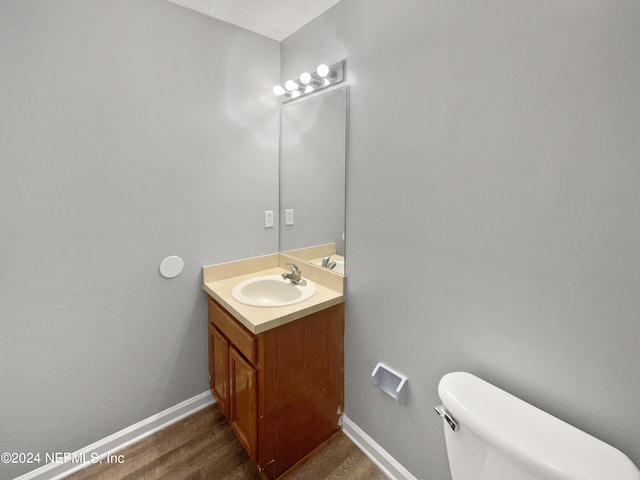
(313, 140)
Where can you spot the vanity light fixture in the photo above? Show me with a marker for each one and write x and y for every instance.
(306, 78)
(292, 86)
(278, 90)
(324, 76)
(322, 70)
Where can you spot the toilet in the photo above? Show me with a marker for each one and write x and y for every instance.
(492, 435)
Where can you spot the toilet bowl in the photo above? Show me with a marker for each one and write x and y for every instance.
(493, 435)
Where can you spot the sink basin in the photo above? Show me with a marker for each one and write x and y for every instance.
(271, 291)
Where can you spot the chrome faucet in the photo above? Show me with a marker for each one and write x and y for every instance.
(294, 277)
(327, 263)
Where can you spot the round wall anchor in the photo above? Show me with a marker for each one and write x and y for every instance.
(171, 267)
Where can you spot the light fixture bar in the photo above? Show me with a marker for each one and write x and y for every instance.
(324, 76)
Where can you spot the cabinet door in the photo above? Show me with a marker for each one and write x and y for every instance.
(243, 395)
(219, 368)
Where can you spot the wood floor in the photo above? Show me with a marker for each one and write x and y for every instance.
(204, 447)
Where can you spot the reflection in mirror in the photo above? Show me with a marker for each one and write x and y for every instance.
(312, 178)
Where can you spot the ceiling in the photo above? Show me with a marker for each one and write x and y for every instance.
(275, 19)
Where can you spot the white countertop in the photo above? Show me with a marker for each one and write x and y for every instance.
(261, 319)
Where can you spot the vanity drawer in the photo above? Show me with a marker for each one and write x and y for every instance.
(238, 335)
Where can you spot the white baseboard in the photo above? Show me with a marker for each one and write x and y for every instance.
(378, 455)
(119, 440)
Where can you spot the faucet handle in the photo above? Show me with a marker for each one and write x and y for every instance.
(294, 276)
(294, 268)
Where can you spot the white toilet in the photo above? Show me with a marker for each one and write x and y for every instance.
(492, 435)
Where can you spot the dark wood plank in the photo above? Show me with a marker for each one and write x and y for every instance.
(204, 447)
(336, 459)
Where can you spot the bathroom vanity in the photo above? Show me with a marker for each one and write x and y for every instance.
(277, 373)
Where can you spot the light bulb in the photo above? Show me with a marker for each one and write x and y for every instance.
(295, 94)
(305, 78)
(291, 85)
(322, 70)
(326, 82)
(278, 90)
(308, 89)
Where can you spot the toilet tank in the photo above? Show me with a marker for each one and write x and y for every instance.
(500, 437)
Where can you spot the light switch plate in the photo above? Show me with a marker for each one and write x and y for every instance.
(288, 216)
(268, 218)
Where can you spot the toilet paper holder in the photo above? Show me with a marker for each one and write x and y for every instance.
(390, 382)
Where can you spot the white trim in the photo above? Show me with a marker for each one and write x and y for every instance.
(378, 455)
(121, 439)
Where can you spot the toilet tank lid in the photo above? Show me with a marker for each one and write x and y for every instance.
(529, 435)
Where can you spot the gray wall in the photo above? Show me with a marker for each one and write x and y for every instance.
(129, 131)
(492, 208)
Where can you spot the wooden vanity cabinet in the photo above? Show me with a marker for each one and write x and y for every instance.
(219, 368)
(243, 399)
(281, 390)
